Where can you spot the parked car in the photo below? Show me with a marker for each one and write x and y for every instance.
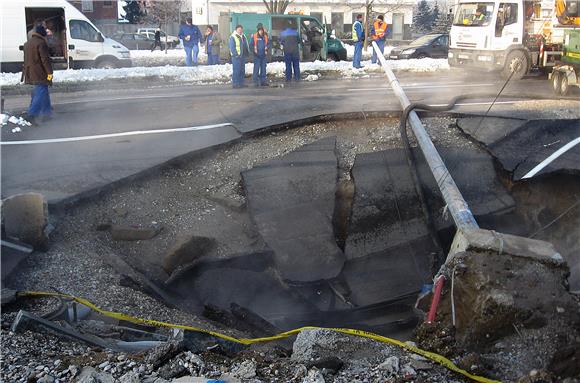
(172, 41)
(433, 45)
(135, 41)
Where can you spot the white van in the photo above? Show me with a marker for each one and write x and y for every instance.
(74, 42)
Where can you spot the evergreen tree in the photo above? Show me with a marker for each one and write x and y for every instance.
(434, 16)
(443, 23)
(133, 12)
(422, 20)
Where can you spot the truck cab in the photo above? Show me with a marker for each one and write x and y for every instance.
(511, 36)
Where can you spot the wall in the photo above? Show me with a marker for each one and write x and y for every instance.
(324, 7)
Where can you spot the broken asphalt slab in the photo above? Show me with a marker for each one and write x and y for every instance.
(520, 145)
(291, 200)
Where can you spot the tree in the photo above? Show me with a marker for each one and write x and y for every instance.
(422, 18)
(133, 12)
(443, 23)
(163, 12)
(434, 16)
(277, 6)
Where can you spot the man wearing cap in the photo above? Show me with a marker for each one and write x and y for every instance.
(358, 36)
(190, 36)
(37, 71)
(260, 44)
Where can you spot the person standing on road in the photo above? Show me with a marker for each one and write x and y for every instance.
(37, 71)
(379, 35)
(358, 36)
(190, 36)
(239, 50)
(260, 44)
(290, 41)
(213, 42)
(157, 42)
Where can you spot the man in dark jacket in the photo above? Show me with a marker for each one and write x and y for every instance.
(37, 71)
(190, 35)
(239, 51)
(213, 42)
(260, 44)
(290, 41)
(157, 42)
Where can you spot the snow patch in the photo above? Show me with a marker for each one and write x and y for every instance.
(221, 74)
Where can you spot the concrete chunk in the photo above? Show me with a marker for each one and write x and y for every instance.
(25, 218)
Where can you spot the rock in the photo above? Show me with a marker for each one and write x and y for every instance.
(190, 379)
(314, 376)
(161, 354)
(566, 361)
(131, 233)
(329, 362)
(245, 370)
(408, 372)
(130, 377)
(187, 250)
(45, 379)
(172, 370)
(8, 296)
(420, 365)
(25, 218)
(391, 365)
(90, 375)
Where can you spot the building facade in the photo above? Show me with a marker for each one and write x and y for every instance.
(338, 15)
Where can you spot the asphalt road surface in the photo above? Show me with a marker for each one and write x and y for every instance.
(143, 126)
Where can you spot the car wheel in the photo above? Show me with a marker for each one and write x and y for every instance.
(422, 56)
(516, 63)
(556, 82)
(564, 86)
(332, 57)
(106, 64)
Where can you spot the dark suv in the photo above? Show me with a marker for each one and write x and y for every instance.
(433, 45)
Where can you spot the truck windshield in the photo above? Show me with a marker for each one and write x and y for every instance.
(473, 14)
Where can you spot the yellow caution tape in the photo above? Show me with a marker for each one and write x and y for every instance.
(246, 341)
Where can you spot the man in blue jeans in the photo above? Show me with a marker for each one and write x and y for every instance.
(260, 43)
(358, 36)
(190, 35)
(290, 41)
(239, 51)
(37, 71)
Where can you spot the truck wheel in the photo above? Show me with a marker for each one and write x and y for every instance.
(556, 82)
(516, 62)
(107, 64)
(564, 86)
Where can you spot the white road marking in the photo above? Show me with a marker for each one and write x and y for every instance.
(538, 168)
(417, 86)
(113, 135)
(478, 103)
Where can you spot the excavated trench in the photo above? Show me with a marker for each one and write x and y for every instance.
(322, 224)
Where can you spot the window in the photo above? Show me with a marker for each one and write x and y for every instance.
(318, 16)
(473, 14)
(507, 14)
(87, 5)
(443, 41)
(139, 37)
(80, 29)
(337, 21)
(107, 4)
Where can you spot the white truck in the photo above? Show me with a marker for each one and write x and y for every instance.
(74, 42)
(512, 36)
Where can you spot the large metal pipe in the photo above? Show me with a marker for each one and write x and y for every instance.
(456, 205)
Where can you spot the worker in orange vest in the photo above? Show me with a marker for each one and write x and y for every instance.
(379, 35)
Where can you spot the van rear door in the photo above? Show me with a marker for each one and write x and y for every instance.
(86, 43)
(56, 38)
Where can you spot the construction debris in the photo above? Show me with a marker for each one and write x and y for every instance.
(25, 218)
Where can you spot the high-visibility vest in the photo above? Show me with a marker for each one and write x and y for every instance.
(354, 34)
(238, 41)
(380, 28)
(256, 38)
